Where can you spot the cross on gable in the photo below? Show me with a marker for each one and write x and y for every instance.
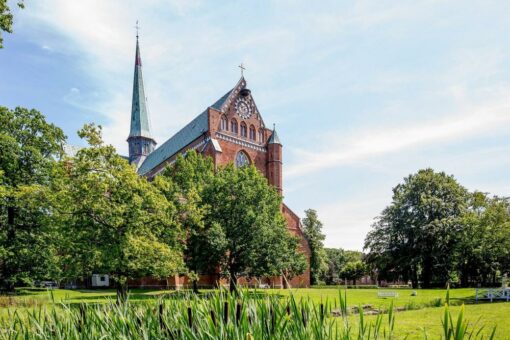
(242, 68)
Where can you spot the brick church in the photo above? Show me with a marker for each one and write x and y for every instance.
(230, 130)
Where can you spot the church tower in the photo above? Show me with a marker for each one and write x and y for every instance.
(274, 161)
(140, 140)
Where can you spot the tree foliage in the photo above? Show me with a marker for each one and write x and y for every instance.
(117, 222)
(435, 231)
(312, 228)
(29, 147)
(353, 271)
(6, 18)
(337, 259)
(248, 227)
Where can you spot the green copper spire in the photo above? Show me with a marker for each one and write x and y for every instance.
(140, 126)
(140, 140)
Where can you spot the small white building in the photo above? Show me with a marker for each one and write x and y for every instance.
(100, 280)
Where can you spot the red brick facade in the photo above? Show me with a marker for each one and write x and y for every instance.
(232, 131)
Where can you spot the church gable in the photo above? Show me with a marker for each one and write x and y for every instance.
(237, 116)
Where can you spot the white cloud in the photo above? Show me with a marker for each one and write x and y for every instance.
(393, 139)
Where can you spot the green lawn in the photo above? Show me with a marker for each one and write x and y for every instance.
(413, 323)
(420, 316)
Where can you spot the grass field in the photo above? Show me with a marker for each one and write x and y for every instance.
(416, 315)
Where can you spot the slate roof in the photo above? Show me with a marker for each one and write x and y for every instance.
(219, 103)
(185, 136)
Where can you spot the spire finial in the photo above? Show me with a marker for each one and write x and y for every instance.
(137, 27)
(274, 126)
(242, 69)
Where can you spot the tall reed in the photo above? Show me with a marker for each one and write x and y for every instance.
(219, 315)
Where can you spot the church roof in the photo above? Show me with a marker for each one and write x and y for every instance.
(140, 125)
(186, 135)
(219, 103)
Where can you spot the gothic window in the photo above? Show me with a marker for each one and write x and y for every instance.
(244, 130)
(252, 132)
(261, 136)
(242, 159)
(233, 126)
(224, 123)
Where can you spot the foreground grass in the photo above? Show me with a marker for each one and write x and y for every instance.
(417, 320)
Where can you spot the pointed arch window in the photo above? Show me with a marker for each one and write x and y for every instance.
(244, 130)
(242, 159)
(261, 136)
(224, 123)
(253, 134)
(233, 126)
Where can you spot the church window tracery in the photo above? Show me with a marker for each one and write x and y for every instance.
(224, 123)
(261, 136)
(252, 133)
(233, 126)
(242, 159)
(244, 130)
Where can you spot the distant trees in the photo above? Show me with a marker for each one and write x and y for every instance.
(353, 271)
(343, 265)
(312, 228)
(435, 231)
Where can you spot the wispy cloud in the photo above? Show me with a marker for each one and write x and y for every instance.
(387, 139)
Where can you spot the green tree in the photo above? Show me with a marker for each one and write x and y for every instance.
(414, 236)
(189, 176)
(353, 271)
(249, 228)
(312, 228)
(6, 18)
(29, 147)
(116, 221)
(336, 260)
(483, 250)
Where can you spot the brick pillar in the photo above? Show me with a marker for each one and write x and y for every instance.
(275, 166)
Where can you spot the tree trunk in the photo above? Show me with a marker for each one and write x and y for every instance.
(195, 287)
(121, 291)
(427, 272)
(464, 278)
(414, 277)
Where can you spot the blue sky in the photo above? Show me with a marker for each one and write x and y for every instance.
(363, 92)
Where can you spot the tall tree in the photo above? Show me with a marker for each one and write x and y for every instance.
(29, 147)
(415, 234)
(116, 221)
(250, 230)
(312, 228)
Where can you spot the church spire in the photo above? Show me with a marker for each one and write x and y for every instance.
(140, 139)
(274, 137)
(140, 125)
